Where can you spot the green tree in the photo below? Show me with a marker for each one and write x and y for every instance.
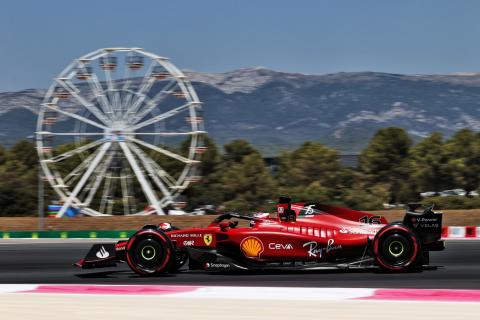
(210, 158)
(312, 162)
(311, 173)
(384, 160)
(312, 192)
(236, 150)
(205, 192)
(429, 164)
(247, 185)
(18, 179)
(3, 155)
(463, 151)
(24, 151)
(18, 189)
(362, 196)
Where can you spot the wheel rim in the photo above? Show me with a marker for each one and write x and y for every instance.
(396, 248)
(148, 253)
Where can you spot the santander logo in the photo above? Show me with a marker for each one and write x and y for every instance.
(102, 253)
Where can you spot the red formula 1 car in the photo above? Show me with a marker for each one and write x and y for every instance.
(301, 236)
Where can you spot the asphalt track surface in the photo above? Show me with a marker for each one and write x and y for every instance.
(47, 262)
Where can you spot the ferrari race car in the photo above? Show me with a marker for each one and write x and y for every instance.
(301, 236)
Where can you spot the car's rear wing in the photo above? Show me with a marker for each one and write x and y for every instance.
(426, 223)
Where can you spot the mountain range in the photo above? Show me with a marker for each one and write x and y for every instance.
(277, 110)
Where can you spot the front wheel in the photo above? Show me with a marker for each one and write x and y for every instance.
(149, 252)
(396, 248)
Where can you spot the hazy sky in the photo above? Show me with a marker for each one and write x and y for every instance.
(38, 38)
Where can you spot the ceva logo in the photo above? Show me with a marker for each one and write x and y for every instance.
(280, 246)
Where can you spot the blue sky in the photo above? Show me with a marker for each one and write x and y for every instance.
(38, 38)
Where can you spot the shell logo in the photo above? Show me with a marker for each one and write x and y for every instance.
(251, 247)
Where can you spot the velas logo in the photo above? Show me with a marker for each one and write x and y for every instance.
(251, 247)
(207, 238)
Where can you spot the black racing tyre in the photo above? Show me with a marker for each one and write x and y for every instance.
(396, 248)
(149, 252)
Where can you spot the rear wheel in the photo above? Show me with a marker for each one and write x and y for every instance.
(396, 248)
(149, 252)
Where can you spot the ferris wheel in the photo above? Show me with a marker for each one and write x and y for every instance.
(120, 132)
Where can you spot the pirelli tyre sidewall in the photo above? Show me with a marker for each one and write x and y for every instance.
(396, 248)
(149, 252)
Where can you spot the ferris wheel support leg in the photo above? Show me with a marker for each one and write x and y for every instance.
(123, 183)
(152, 172)
(84, 179)
(98, 181)
(152, 198)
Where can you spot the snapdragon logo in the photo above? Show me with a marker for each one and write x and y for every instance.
(213, 265)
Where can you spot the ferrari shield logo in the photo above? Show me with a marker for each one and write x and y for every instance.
(207, 238)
